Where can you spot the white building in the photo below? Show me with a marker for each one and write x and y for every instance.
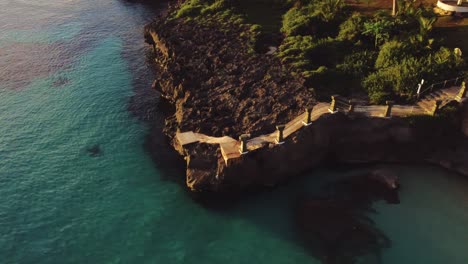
(458, 6)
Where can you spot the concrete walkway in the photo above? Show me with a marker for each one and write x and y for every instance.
(230, 146)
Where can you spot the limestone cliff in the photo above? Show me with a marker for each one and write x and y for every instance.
(333, 138)
(220, 88)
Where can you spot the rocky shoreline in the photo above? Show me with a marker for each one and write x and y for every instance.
(218, 85)
(220, 88)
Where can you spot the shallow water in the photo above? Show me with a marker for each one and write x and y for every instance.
(77, 185)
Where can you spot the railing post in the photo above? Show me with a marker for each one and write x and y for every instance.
(436, 107)
(308, 117)
(279, 136)
(243, 143)
(462, 93)
(388, 109)
(333, 108)
(456, 81)
(351, 106)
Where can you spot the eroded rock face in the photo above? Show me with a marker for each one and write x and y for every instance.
(333, 138)
(336, 138)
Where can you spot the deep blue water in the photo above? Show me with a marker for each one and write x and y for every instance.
(78, 186)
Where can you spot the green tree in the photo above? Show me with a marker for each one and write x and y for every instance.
(379, 30)
(425, 27)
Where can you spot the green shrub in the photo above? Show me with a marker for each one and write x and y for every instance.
(306, 53)
(400, 79)
(329, 10)
(315, 60)
(392, 53)
(352, 28)
(358, 64)
(406, 75)
(298, 21)
(199, 9)
(295, 48)
(379, 30)
(328, 52)
(326, 82)
(189, 9)
(318, 17)
(217, 6)
(378, 87)
(445, 64)
(254, 34)
(402, 54)
(401, 74)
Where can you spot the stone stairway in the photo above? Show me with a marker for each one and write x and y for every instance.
(444, 96)
(342, 104)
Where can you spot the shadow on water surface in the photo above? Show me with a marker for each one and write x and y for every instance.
(146, 105)
(336, 228)
(326, 213)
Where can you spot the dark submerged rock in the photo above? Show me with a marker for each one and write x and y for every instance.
(94, 150)
(60, 82)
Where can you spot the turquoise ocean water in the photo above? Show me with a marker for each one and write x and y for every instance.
(77, 186)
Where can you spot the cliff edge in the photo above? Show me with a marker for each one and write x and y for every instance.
(220, 87)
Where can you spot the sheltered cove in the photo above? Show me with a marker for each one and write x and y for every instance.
(220, 93)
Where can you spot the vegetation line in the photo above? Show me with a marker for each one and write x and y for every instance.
(338, 49)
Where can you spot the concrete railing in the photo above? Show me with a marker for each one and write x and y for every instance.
(231, 148)
(440, 85)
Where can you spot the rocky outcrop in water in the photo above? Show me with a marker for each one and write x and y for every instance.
(220, 88)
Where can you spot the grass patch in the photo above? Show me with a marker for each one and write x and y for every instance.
(266, 14)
